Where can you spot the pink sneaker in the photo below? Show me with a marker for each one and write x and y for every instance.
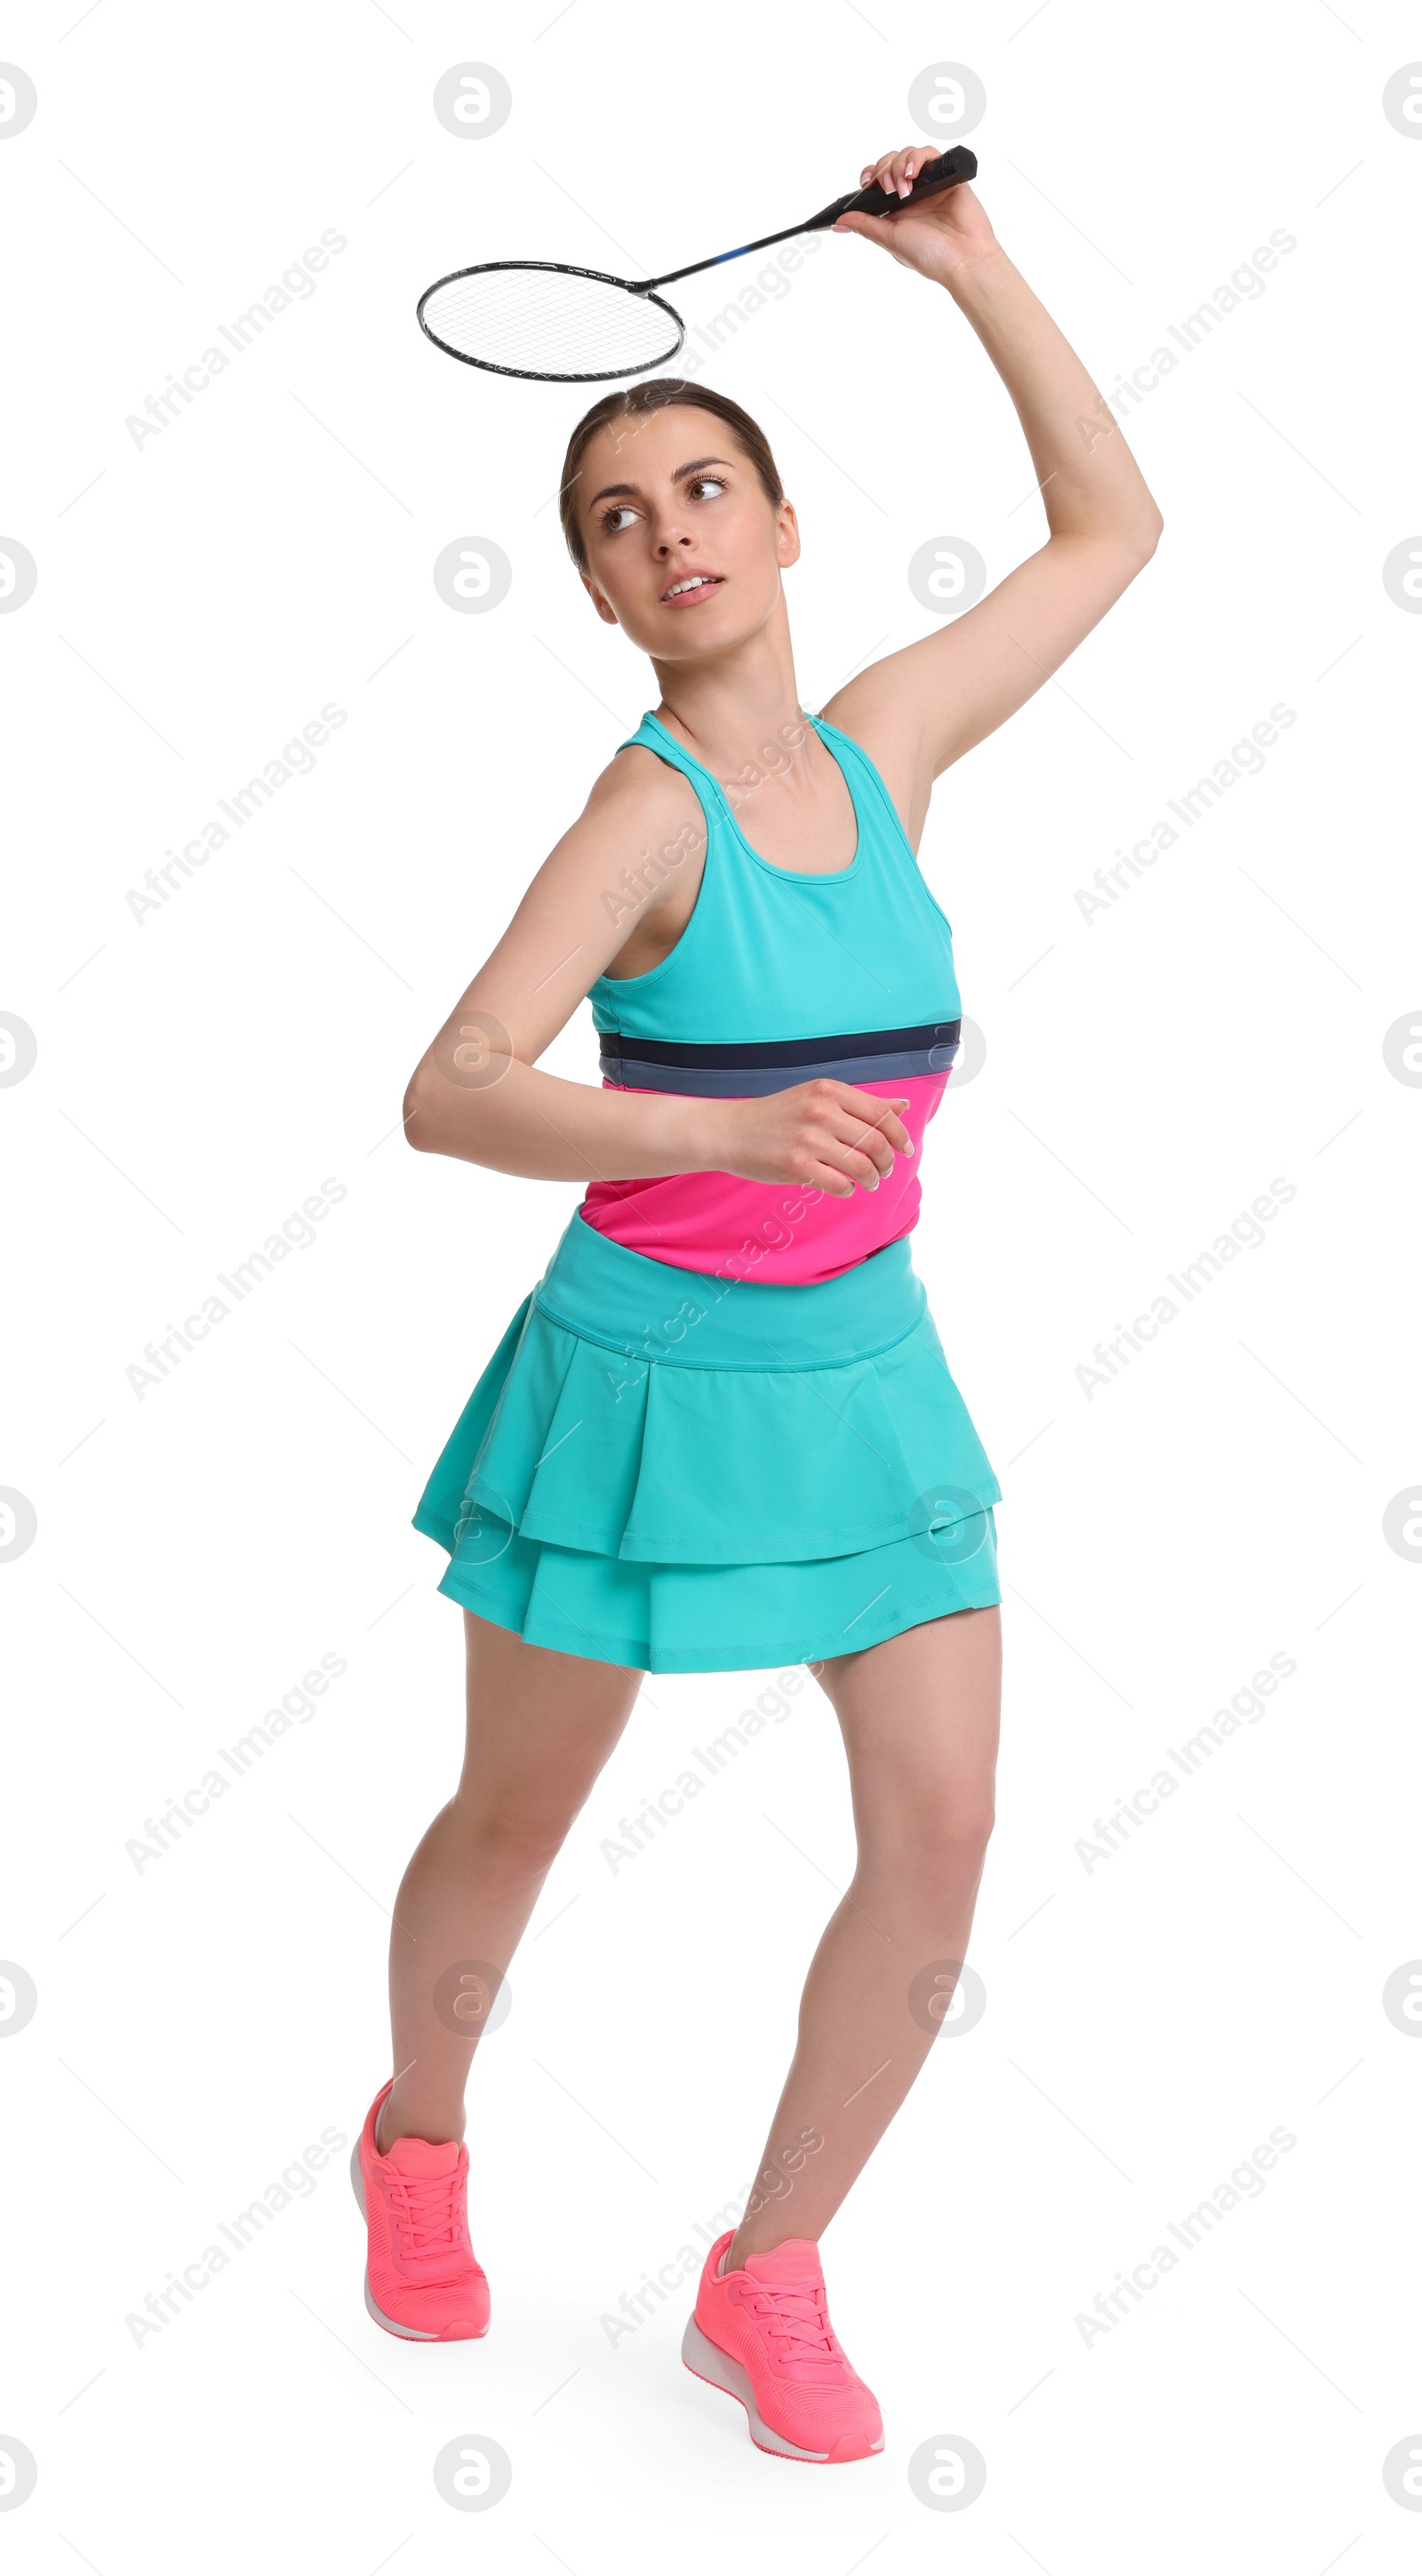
(764, 2336)
(421, 2278)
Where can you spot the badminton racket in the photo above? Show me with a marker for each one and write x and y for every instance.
(578, 326)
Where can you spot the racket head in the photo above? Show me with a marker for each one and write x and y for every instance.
(548, 322)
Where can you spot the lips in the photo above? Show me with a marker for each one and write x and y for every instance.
(689, 586)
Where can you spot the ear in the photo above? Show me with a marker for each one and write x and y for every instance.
(604, 610)
(787, 535)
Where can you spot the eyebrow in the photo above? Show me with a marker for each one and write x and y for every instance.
(679, 476)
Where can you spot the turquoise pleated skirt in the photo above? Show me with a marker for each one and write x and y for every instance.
(686, 1474)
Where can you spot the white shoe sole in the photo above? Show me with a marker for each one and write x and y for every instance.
(407, 2334)
(718, 2368)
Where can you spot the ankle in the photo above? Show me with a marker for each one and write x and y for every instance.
(392, 2121)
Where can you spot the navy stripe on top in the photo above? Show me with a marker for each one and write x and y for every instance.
(755, 1070)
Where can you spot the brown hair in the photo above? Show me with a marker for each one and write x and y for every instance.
(633, 402)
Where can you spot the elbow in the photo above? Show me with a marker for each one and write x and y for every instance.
(1146, 536)
(1129, 547)
(415, 1114)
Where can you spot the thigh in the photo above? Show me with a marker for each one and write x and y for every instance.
(540, 1726)
(920, 1717)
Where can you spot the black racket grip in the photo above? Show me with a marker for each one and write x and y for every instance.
(948, 171)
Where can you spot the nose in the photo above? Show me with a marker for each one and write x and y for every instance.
(671, 529)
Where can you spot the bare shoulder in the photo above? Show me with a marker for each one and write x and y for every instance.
(642, 795)
(636, 807)
(634, 851)
(642, 822)
(627, 868)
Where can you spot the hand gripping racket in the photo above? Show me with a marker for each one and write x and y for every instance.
(577, 326)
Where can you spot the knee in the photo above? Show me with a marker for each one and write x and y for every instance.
(963, 1830)
(504, 1848)
(944, 1845)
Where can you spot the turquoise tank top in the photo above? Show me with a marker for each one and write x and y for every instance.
(778, 977)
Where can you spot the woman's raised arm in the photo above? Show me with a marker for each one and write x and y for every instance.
(918, 710)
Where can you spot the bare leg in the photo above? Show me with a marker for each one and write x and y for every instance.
(540, 1727)
(919, 1715)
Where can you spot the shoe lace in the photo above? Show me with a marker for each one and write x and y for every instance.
(795, 2314)
(426, 2211)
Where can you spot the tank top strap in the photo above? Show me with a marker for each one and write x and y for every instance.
(652, 735)
(855, 758)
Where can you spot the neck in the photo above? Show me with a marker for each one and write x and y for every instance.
(737, 711)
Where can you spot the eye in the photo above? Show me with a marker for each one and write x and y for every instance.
(612, 520)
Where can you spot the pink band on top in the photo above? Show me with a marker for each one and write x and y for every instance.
(710, 1221)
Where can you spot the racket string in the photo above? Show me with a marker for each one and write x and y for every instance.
(547, 321)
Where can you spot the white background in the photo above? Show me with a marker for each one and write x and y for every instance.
(1148, 1074)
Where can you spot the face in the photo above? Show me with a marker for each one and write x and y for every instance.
(684, 549)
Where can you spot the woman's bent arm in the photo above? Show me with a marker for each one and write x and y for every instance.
(477, 1093)
(520, 1120)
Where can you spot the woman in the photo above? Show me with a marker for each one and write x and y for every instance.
(721, 1433)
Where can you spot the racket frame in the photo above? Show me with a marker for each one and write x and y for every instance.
(540, 375)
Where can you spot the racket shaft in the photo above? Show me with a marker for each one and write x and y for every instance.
(948, 171)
